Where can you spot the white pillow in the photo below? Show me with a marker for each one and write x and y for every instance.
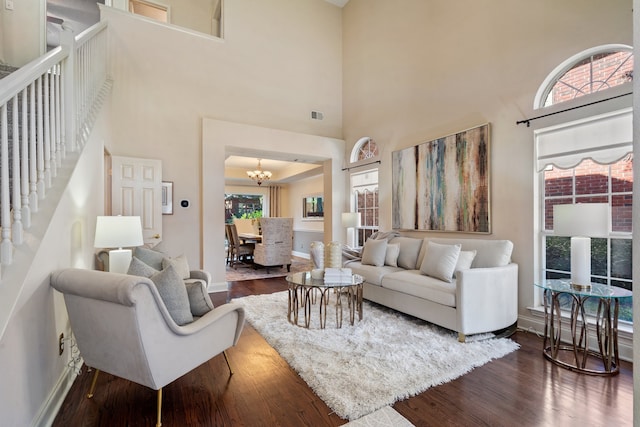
(374, 252)
(391, 258)
(465, 260)
(440, 261)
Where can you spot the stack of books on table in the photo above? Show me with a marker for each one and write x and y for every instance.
(337, 275)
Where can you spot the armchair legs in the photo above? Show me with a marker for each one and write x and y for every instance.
(159, 397)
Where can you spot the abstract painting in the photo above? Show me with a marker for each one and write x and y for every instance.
(443, 185)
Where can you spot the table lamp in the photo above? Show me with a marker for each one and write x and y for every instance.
(350, 219)
(118, 232)
(581, 222)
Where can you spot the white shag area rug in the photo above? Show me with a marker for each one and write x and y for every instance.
(384, 358)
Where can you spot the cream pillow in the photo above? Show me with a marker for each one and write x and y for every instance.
(180, 264)
(440, 261)
(465, 260)
(374, 252)
(391, 257)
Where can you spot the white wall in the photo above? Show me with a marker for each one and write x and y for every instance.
(431, 69)
(34, 377)
(279, 60)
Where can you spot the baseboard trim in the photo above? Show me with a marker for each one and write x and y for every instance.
(52, 405)
(217, 287)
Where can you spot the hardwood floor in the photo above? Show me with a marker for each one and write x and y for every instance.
(521, 388)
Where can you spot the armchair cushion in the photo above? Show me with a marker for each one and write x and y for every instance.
(139, 268)
(174, 295)
(180, 264)
(199, 301)
(149, 257)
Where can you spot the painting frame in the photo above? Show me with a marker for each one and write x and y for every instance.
(167, 197)
(443, 185)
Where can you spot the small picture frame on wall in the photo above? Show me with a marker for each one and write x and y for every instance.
(167, 198)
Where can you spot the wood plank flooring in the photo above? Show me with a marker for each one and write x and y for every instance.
(520, 389)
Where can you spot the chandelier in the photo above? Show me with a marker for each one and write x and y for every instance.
(259, 175)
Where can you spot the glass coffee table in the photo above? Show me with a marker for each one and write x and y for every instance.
(306, 292)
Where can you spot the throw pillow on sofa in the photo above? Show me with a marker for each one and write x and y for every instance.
(464, 261)
(174, 295)
(199, 301)
(391, 257)
(440, 261)
(374, 252)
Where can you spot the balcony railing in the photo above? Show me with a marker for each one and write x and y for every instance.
(47, 109)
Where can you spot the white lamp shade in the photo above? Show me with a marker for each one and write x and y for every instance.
(118, 232)
(350, 219)
(582, 219)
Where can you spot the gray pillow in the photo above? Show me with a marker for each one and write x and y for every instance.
(174, 295)
(180, 264)
(149, 257)
(374, 252)
(391, 257)
(199, 300)
(409, 251)
(139, 268)
(440, 261)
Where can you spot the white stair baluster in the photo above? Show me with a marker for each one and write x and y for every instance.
(6, 248)
(16, 202)
(24, 162)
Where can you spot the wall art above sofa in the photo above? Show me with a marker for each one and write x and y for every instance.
(443, 185)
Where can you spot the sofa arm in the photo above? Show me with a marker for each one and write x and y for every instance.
(201, 275)
(487, 298)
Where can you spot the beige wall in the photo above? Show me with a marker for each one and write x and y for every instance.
(17, 45)
(431, 69)
(279, 60)
(298, 190)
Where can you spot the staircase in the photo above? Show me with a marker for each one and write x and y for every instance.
(47, 110)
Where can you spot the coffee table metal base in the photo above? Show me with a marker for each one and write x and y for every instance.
(307, 296)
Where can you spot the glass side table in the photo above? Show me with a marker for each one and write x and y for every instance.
(606, 327)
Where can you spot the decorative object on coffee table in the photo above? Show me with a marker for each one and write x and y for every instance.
(317, 254)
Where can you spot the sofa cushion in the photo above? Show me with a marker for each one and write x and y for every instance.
(374, 252)
(412, 282)
(391, 258)
(491, 253)
(440, 261)
(371, 273)
(180, 264)
(174, 295)
(149, 257)
(199, 301)
(409, 250)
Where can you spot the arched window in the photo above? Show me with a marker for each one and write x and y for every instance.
(588, 72)
(365, 149)
(588, 160)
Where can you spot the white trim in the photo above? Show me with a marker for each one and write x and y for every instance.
(52, 405)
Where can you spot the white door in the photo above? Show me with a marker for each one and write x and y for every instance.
(137, 190)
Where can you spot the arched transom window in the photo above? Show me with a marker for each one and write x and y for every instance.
(591, 71)
(365, 149)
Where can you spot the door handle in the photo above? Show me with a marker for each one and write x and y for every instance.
(156, 236)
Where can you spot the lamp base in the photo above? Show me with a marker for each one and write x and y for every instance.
(119, 260)
(579, 287)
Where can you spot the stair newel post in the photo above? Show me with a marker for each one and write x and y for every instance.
(6, 248)
(24, 163)
(16, 201)
(33, 165)
(68, 99)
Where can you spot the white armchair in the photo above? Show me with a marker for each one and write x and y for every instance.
(277, 243)
(122, 327)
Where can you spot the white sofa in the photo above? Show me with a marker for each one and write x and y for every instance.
(479, 299)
